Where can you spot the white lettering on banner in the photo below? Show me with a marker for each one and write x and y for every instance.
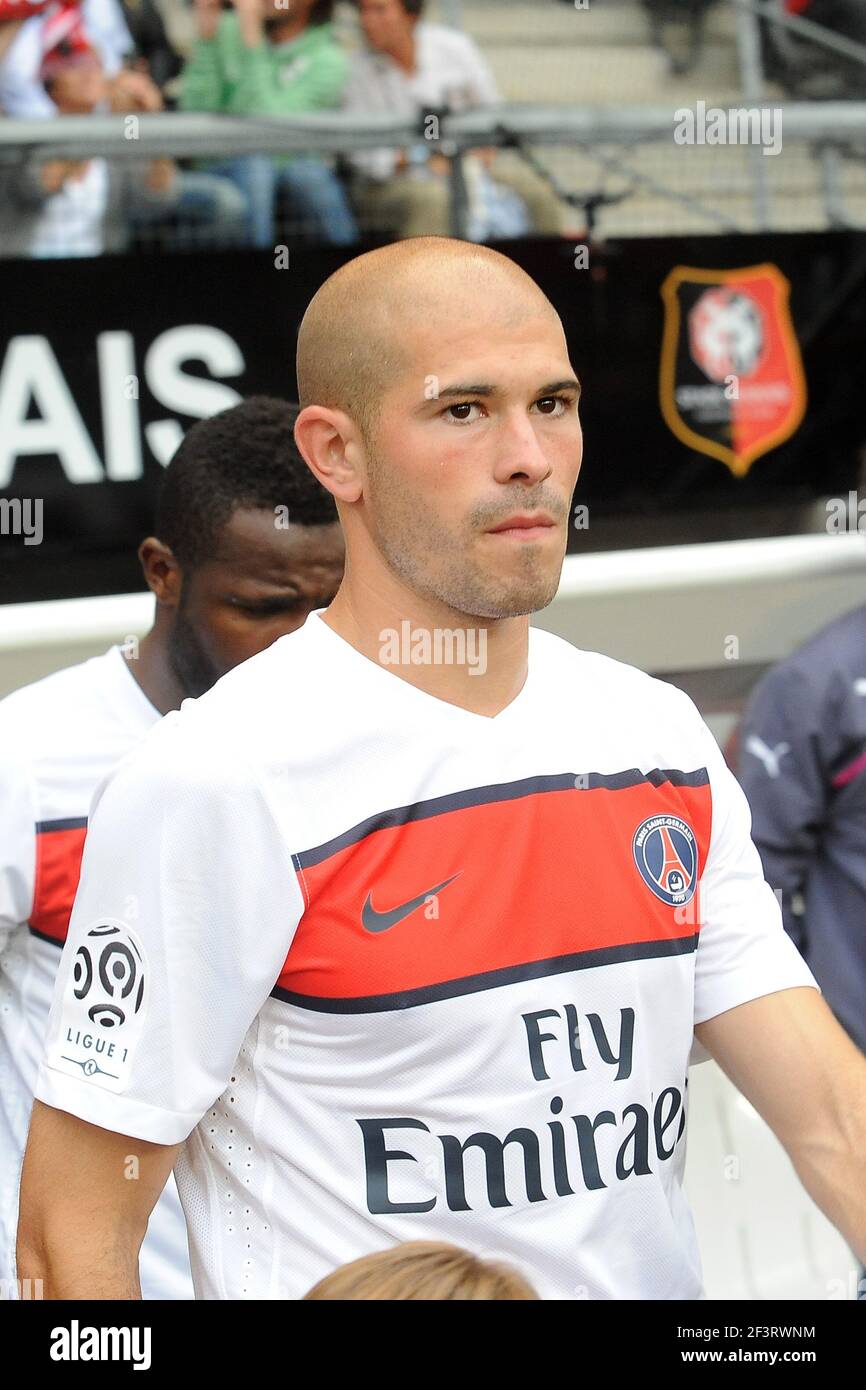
(186, 394)
(31, 376)
(31, 372)
(120, 430)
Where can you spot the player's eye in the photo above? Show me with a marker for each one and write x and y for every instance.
(264, 608)
(460, 405)
(566, 401)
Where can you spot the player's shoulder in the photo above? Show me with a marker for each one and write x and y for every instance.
(634, 716)
(603, 678)
(209, 743)
(46, 708)
(181, 761)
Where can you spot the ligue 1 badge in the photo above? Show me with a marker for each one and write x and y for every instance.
(731, 381)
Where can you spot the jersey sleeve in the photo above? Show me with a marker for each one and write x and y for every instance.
(18, 816)
(743, 950)
(185, 911)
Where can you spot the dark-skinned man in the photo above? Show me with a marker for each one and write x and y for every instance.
(247, 544)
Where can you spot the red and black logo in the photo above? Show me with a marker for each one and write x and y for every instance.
(731, 381)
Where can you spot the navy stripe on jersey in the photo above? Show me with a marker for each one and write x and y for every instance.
(493, 979)
(503, 791)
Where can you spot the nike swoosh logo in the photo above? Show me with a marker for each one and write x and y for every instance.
(371, 920)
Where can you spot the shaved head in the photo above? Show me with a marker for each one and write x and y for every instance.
(359, 335)
(437, 402)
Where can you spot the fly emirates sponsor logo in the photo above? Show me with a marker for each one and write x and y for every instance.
(560, 1157)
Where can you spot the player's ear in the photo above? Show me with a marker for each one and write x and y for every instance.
(161, 570)
(328, 442)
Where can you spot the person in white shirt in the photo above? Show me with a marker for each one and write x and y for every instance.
(410, 927)
(64, 208)
(407, 67)
(84, 207)
(228, 581)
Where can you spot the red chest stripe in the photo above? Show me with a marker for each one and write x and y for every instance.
(59, 847)
(526, 879)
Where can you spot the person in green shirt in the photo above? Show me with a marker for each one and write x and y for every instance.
(273, 58)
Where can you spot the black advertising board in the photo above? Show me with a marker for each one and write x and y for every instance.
(657, 330)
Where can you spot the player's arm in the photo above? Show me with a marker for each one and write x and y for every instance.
(760, 1014)
(86, 1196)
(180, 927)
(805, 1077)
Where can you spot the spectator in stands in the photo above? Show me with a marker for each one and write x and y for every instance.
(423, 1270)
(22, 92)
(409, 67)
(13, 14)
(84, 207)
(153, 51)
(267, 59)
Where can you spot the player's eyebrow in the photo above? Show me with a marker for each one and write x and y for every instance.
(460, 390)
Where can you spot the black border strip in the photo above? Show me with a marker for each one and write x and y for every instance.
(43, 936)
(503, 791)
(491, 979)
(71, 823)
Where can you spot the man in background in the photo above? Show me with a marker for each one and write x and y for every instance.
(407, 67)
(247, 544)
(269, 58)
(84, 207)
(802, 765)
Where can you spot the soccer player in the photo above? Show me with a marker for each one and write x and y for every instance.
(247, 543)
(416, 949)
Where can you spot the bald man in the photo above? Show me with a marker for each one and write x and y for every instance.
(395, 933)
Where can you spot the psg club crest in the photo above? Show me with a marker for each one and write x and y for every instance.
(666, 856)
(731, 382)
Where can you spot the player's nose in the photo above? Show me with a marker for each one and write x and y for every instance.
(519, 451)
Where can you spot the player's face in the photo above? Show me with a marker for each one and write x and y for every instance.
(443, 472)
(261, 583)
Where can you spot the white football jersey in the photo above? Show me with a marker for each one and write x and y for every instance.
(58, 739)
(396, 971)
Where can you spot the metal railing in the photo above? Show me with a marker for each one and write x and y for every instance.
(610, 137)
